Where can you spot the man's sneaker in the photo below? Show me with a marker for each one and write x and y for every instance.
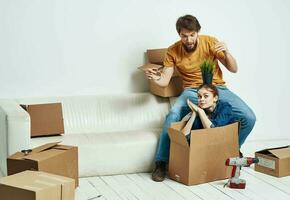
(159, 172)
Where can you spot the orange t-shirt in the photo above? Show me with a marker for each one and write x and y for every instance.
(188, 64)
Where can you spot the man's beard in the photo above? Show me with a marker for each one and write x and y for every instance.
(189, 50)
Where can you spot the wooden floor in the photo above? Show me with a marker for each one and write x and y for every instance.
(140, 186)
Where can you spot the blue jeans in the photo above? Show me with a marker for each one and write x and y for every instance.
(242, 113)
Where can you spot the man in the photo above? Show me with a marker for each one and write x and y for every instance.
(187, 55)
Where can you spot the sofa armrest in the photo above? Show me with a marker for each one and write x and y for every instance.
(14, 130)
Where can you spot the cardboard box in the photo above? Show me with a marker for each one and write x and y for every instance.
(173, 89)
(52, 158)
(274, 161)
(45, 119)
(156, 56)
(204, 160)
(175, 86)
(31, 185)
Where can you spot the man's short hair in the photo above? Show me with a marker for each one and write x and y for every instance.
(188, 22)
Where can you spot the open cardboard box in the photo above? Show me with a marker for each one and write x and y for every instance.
(204, 159)
(52, 158)
(274, 161)
(32, 185)
(45, 119)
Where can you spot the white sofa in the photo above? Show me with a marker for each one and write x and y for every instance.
(115, 134)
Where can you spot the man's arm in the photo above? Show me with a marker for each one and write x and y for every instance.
(162, 79)
(228, 61)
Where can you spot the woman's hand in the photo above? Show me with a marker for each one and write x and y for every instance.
(192, 106)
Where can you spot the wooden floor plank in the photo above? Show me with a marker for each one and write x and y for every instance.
(262, 188)
(86, 190)
(130, 186)
(213, 191)
(145, 187)
(118, 188)
(105, 189)
(234, 194)
(183, 190)
(274, 181)
(161, 188)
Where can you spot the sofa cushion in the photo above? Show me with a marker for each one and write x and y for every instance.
(110, 153)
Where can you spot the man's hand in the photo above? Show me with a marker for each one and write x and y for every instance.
(221, 47)
(153, 74)
(229, 61)
(192, 106)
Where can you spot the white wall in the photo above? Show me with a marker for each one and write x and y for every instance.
(69, 47)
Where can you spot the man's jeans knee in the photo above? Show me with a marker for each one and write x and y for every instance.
(164, 140)
(242, 112)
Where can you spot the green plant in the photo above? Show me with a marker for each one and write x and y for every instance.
(207, 67)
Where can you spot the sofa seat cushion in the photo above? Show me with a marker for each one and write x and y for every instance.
(112, 152)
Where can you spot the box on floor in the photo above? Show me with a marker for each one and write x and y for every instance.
(52, 158)
(274, 161)
(204, 159)
(32, 185)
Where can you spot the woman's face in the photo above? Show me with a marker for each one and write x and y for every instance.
(206, 98)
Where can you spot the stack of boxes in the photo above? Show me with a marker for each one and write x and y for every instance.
(47, 172)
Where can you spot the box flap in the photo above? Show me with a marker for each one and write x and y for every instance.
(43, 155)
(281, 152)
(44, 147)
(63, 147)
(176, 135)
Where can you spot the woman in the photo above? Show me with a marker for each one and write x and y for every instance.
(209, 113)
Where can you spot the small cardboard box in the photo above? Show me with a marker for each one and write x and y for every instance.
(204, 159)
(31, 185)
(156, 56)
(274, 161)
(173, 89)
(175, 86)
(52, 158)
(45, 119)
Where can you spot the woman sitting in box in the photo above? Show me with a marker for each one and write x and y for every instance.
(209, 113)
